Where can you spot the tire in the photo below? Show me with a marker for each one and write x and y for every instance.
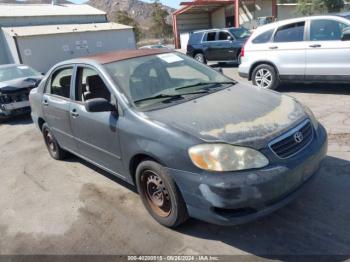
(265, 76)
(55, 151)
(200, 58)
(167, 207)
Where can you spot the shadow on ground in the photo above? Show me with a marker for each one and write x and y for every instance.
(336, 89)
(17, 120)
(318, 222)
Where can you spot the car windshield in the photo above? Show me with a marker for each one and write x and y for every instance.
(14, 72)
(240, 33)
(156, 81)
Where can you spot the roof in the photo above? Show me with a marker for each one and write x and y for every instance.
(200, 6)
(110, 57)
(28, 10)
(23, 31)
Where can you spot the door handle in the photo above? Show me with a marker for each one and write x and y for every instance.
(315, 45)
(45, 103)
(273, 47)
(74, 113)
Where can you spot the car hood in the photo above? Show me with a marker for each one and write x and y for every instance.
(239, 115)
(18, 84)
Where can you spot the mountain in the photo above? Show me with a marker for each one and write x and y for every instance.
(34, 2)
(139, 10)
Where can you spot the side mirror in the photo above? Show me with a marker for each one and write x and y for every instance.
(229, 38)
(98, 105)
(219, 69)
(346, 35)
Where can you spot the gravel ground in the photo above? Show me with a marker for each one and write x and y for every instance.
(71, 207)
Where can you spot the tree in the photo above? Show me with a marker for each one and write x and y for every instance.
(124, 18)
(309, 7)
(160, 28)
(334, 5)
(304, 8)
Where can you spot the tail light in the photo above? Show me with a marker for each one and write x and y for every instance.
(242, 52)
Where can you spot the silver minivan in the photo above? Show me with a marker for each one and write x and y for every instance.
(309, 49)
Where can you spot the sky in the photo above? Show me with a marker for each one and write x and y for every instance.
(171, 3)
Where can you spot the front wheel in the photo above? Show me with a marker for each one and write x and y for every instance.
(265, 76)
(160, 195)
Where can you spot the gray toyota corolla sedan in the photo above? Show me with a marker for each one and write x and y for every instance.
(194, 142)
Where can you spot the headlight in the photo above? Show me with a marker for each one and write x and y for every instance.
(311, 115)
(223, 157)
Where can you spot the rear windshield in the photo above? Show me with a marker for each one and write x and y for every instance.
(264, 37)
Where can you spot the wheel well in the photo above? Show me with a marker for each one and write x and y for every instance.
(198, 52)
(41, 123)
(261, 63)
(135, 161)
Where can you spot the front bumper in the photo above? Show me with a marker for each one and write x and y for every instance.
(13, 109)
(239, 197)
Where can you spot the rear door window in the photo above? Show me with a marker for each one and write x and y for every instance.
(290, 33)
(211, 36)
(263, 37)
(60, 83)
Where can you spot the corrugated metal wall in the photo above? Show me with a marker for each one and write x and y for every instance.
(5, 49)
(42, 52)
(191, 22)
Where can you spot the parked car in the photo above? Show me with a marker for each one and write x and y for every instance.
(309, 49)
(345, 15)
(155, 46)
(16, 81)
(217, 44)
(194, 142)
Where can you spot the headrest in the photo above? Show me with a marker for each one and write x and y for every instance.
(94, 82)
(65, 81)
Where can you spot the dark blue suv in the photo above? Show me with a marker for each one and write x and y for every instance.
(217, 44)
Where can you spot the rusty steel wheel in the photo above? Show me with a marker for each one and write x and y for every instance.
(156, 193)
(52, 145)
(50, 142)
(160, 195)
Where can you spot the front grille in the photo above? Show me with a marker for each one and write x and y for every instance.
(288, 144)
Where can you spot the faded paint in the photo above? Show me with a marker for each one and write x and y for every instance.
(268, 121)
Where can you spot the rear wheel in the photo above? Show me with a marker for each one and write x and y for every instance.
(160, 195)
(52, 145)
(265, 76)
(200, 58)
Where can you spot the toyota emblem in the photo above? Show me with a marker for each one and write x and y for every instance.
(298, 137)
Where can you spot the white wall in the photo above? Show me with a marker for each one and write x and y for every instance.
(218, 18)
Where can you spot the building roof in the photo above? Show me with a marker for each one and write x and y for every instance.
(23, 31)
(28, 10)
(110, 57)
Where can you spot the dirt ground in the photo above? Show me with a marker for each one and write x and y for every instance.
(71, 207)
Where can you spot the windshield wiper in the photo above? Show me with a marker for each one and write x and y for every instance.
(170, 96)
(158, 97)
(205, 83)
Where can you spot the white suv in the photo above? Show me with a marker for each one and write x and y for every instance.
(309, 49)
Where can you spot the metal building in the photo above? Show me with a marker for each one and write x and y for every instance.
(41, 35)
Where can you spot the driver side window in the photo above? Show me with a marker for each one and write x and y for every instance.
(90, 85)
